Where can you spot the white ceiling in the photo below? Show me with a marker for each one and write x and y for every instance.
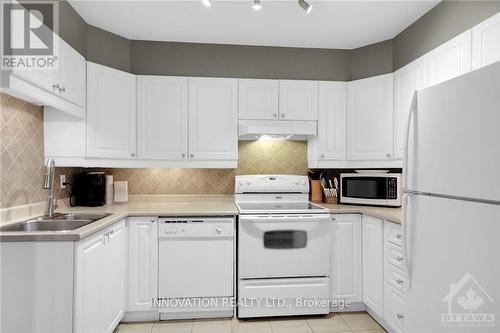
(330, 24)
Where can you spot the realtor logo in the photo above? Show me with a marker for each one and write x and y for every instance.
(467, 301)
(27, 35)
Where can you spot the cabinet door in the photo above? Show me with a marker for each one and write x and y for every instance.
(213, 119)
(331, 139)
(406, 81)
(258, 99)
(72, 74)
(89, 298)
(142, 267)
(449, 60)
(162, 117)
(370, 118)
(110, 112)
(113, 279)
(298, 100)
(46, 79)
(373, 264)
(345, 268)
(394, 305)
(486, 42)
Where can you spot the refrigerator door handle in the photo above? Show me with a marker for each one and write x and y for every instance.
(413, 109)
(405, 226)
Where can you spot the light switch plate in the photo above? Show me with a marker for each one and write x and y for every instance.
(62, 179)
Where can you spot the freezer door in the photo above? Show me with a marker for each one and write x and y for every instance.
(454, 141)
(454, 260)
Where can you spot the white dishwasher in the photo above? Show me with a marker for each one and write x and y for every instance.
(196, 267)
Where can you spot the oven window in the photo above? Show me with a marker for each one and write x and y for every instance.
(365, 187)
(285, 239)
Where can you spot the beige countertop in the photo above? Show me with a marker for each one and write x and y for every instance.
(175, 205)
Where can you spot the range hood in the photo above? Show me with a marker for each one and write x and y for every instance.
(284, 129)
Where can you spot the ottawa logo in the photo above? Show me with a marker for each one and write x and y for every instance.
(467, 301)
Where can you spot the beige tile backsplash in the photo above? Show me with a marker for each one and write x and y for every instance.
(21, 154)
(22, 167)
(255, 157)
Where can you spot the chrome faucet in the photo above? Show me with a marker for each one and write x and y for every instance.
(48, 184)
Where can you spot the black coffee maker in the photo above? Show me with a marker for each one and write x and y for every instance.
(90, 189)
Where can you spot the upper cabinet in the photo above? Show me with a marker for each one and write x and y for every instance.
(258, 99)
(330, 144)
(448, 60)
(370, 118)
(298, 100)
(486, 42)
(213, 119)
(111, 122)
(72, 74)
(162, 117)
(407, 80)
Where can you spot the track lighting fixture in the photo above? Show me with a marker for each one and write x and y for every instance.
(256, 5)
(305, 6)
(207, 3)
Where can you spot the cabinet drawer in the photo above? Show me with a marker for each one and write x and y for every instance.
(393, 254)
(396, 278)
(394, 309)
(393, 233)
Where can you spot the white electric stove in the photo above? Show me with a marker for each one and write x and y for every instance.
(283, 247)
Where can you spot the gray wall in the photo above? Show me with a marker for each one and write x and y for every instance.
(448, 19)
(372, 60)
(108, 49)
(72, 28)
(191, 59)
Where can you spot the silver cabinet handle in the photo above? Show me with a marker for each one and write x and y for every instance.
(400, 259)
(399, 281)
(132, 155)
(275, 115)
(322, 156)
(400, 316)
(111, 232)
(191, 155)
(218, 230)
(55, 86)
(62, 89)
(398, 236)
(152, 220)
(334, 219)
(282, 115)
(388, 155)
(183, 155)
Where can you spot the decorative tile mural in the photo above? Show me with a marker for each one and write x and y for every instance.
(255, 157)
(21, 154)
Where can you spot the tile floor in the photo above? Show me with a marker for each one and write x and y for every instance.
(358, 322)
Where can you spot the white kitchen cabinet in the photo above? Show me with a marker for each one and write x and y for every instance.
(298, 100)
(448, 60)
(258, 99)
(162, 117)
(370, 118)
(373, 264)
(142, 263)
(72, 74)
(486, 42)
(407, 80)
(213, 119)
(111, 113)
(345, 259)
(394, 305)
(99, 280)
(330, 144)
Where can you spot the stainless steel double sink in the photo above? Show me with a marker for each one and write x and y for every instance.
(58, 222)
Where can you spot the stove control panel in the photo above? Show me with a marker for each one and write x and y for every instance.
(271, 184)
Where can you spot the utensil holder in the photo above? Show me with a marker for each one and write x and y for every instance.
(331, 200)
(316, 191)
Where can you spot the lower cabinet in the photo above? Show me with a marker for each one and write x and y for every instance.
(100, 280)
(345, 259)
(373, 264)
(142, 264)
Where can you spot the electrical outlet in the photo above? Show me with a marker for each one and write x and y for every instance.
(62, 179)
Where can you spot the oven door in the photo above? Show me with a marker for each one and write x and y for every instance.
(283, 246)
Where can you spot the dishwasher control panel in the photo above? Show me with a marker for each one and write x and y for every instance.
(196, 227)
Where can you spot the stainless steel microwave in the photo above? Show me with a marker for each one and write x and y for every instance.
(380, 189)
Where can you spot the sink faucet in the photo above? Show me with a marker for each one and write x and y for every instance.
(48, 184)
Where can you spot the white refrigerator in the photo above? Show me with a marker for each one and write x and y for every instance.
(451, 210)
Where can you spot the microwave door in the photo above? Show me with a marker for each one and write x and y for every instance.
(364, 187)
